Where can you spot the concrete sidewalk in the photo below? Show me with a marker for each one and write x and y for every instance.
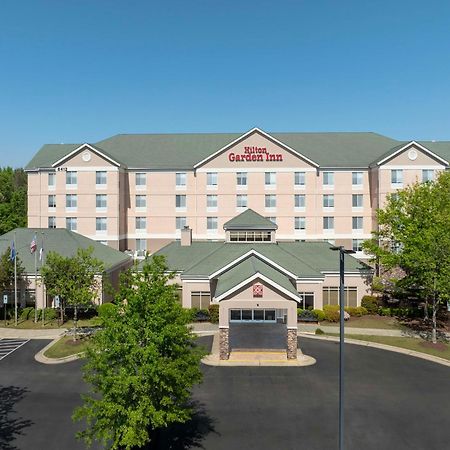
(51, 333)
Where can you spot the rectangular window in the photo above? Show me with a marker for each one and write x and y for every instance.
(211, 224)
(270, 179)
(307, 299)
(211, 201)
(71, 223)
(141, 246)
(200, 300)
(427, 175)
(52, 201)
(357, 223)
(270, 201)
(52, 222)
(328, 179)
(328, 223)
(250, 236)
(211, 179)
(328, 201)
(180, 179)
(397, 176)
(100, 177)
(100, 201)
(357, 200)
(331, 296)
(241, 201)
(357, 245)
(299, 200)
(71, 201)
(100, 224)
(357, 178)
(299, 178)
(241, 178)
(51, 180)
(180, 201)
(300, 223)
(141, 223)
(141, 201)
(180, 223)
(141, 179)
(71, 178)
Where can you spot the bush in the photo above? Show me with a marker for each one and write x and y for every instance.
(306, 315)
(27, 313)
(331, 313)
(106, 309)
(50, 314)
(370, 302)
(318, 330)
(214, 313)
(357, 311)
(384, 311)
(320, 315)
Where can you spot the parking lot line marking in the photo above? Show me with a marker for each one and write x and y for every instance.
(8, 346)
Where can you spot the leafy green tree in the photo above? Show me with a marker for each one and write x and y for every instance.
(142, 364)
(414, 236)
(13, 199)
(76, 280)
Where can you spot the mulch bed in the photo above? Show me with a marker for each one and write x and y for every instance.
(438, 346)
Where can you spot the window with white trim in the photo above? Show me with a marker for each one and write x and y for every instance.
(141, 201)
(211, 224)
(100, 177)
(270, 201)
(71, 178)
(141, 223)
(357, 178)
(71, 201)
(180, 201)
(397, 176)
(328, 223)
(270, 179)
(357, 245)
(52, 201)
(300, 223)
(357, 200)
(141, 247)
(307, 299)
(299, 179)
(328, 201)
(330, 295)
(52, 222)
(100, 224)
(200, 299)
(180, 179)
(241, 201)
(427, 175)
(357, 223)
(211, 179)
(71, 223)
(241, 178)
(328, 179)
(141, 179)
(51, 180)
(180, 223)
(211, 201)
(101, 201)
(299, 201)
(250, 236)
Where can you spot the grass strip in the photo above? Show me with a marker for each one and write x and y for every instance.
(66, 347)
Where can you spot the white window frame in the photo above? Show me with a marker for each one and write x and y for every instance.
(51, 177)
(299, 202)
(241, 180)
(300, 224)
(357, 176)
(51, 222)
(396, 175)
(326, 177)
(298, 178)
(241, 201)
(359, 222)
(71, 175)
(268, 204)
(99, 177)
(357, 207)
(357, 245)
(270, 180)
(140, 207)
(139, 176)
(180, 222)
(180, 202)
(327, 220)
(180, 180)
(72, 220)
(138, 222)
(211, 206)
(101, 208)
(212, 221)
(101, 225)
(426, 178)
(212, 180)
(328, 202)
(52, 204)
(73, 206)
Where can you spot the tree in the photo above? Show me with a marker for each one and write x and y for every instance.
(414, 235)
(13, 199)
(141, 364)
(76, 280)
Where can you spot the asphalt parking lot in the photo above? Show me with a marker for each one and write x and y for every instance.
(393, 401)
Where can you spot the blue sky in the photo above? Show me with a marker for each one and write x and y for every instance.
(80, 71)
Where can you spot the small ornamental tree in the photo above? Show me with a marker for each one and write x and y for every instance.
(76, 280)
(142, 364)
(414, 236)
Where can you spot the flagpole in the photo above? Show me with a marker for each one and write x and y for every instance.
(35, 281)
(44, 299)
(15, 280)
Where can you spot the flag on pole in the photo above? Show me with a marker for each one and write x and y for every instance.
(33, 245)
(41, 253)
(12, 254)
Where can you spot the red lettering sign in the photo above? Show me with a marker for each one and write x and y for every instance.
(255, 154)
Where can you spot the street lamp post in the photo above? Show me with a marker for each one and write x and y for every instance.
(342, 252)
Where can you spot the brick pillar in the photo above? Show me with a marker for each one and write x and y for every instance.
(224, 345)
(292, 343)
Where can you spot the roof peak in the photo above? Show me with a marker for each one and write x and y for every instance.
(249, 220)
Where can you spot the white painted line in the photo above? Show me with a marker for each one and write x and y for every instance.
(11, 346)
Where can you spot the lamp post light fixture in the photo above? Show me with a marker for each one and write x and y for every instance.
(342, 252)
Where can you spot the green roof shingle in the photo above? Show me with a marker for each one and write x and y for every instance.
(249, 220)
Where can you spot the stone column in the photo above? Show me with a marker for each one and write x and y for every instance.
(291, 343)
(224, 345)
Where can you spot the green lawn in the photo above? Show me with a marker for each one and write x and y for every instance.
(377, 322)
(66, 347)
(440, 349)
(29, 324)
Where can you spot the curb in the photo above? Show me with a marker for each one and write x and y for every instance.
(386, 347)
(41, 358)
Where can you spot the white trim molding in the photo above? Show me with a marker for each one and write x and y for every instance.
(412, 144)
(83, 147)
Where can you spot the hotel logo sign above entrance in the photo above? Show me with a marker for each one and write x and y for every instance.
(257, 290)
(255, 154)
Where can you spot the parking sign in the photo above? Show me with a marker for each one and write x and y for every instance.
(5, 299)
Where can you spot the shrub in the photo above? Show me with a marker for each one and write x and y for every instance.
(213, 313)
(357, 311)
(50, 314)
(319, 331)
(320, 315)
(106, 309)
(370, 302)
(331, 313)
(27, 313)
(384, 311)
(306, 314)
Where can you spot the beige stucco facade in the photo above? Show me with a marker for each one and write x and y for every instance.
(126, 225)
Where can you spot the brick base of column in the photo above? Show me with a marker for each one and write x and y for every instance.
(291, 343)
(224, 345)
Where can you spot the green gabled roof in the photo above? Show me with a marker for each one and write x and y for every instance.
(61, 241)
(441, 148)
(249, 220)
(246, 269)
(49, 154)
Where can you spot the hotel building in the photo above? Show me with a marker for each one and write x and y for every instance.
(137, 192)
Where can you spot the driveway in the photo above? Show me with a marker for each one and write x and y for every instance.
(257, 336)
(393, 402)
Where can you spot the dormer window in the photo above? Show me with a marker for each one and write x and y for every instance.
(250, 236)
